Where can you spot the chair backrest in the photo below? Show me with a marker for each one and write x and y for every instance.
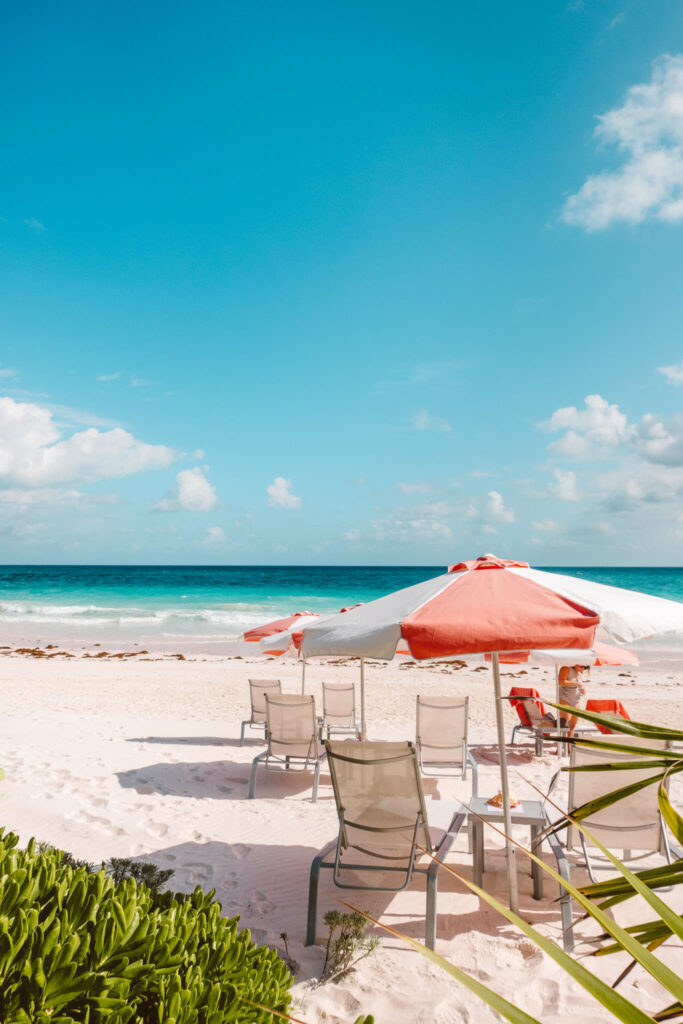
(291, 725)
(528, 705)
(378, 790)
(441, 729)
(633, 823)
(339, 703)
(258, 688)
(607, 707)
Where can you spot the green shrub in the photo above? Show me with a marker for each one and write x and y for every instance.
(80, 947)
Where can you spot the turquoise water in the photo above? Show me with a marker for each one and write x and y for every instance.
(101, 602)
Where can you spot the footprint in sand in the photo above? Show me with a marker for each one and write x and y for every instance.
(199, 873)
(239, 850)
(261, 904)
(158, 828)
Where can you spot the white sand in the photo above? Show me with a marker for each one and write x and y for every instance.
(140, 758)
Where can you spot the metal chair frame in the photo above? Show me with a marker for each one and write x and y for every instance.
(430, 871)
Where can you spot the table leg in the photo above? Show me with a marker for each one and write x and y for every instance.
(536, 869)
(477, 851)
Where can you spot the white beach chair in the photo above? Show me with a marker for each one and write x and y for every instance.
(441, 738)
(293, 740)
(382, 822)
(339, 709)
(258, 688)
(633, 825)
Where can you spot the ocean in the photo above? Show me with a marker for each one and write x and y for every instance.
(208, 605)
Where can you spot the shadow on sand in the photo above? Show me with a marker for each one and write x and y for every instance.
(267, 887)
(220, 780)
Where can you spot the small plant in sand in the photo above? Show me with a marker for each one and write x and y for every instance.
(143, 872)
(347, 944)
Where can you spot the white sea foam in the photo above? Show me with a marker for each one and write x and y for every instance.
(228, 621)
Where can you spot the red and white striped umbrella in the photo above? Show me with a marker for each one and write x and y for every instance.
(280, 630)
(491, 605)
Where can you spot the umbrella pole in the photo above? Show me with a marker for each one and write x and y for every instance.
(557, 701)
(509, 848)
(303, 675)
(362, 699)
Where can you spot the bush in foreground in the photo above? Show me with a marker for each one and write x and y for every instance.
(80, 947)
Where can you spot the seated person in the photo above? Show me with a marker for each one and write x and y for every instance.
(571, 692)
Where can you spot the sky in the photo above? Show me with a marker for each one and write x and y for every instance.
(357, 283)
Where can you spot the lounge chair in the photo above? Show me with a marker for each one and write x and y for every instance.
(632, 824)
(534, 720)
(293, 741)
(441, 738)
(382, 823)
(339, 709)
(608, 707)
(258, 688)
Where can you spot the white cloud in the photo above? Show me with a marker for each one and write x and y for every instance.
(564, 485)
(601, 429)
(674, 374)
(422, 488)
(32, 453)
(34, 225)
(648, 131)
(69, 417)
(192, 493)
(215, 535)
(6, 372)
(546, 526)
(424, 420)
(280, 494)
(138, 382)
(199, 454)
(109, 376)
(496, 510)
(53, 496)
(599, 423)
(351, 536)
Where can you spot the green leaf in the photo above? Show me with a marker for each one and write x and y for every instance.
(623, 725)
(669, 813)
(506, 1009)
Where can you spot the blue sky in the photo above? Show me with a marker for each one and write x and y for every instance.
(332, 283)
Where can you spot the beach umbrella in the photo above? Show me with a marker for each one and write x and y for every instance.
(599, 654)
(280, 635)
(285, 626)
(492, 605)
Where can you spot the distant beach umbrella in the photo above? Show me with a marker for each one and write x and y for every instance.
(598, 654)
(281, 629)
(492, 605)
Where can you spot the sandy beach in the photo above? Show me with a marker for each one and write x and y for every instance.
(139, 756)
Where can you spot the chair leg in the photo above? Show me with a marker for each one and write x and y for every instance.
(242, 734)
(475, 774)
(514, 733)
(313, 900)
(316, 780)
(565, 897)
(252, 777)
(538, 739)
(430, 917)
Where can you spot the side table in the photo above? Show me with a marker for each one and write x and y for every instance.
(529, 812)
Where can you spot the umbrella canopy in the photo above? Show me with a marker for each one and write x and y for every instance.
(280, 630)
(599, 654)
(492, 605)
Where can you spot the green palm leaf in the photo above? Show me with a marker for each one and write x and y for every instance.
(502, 1006)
